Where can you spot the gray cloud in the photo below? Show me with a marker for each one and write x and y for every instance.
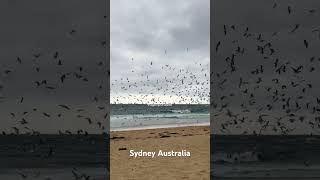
(172, 33)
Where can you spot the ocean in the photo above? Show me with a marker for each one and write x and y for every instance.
(143, 116)
(54, 157)
(276, 157)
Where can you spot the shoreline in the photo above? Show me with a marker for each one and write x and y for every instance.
(159, 127)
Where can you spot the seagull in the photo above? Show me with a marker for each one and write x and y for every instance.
(305, 42)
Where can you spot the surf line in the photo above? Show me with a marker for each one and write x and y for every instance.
(152, 154)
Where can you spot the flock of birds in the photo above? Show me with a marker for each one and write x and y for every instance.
(257, 89)
(283, 85)
(52, 86)
(160, 83)
(50, 74)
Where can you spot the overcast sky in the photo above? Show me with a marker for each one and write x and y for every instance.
(152, 42)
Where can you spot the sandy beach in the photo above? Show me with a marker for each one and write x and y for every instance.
(195, 140)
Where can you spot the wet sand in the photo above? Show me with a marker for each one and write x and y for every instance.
(196, 140)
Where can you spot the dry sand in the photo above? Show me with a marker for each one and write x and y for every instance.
(193, 139)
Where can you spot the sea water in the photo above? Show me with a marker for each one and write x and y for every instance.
(143, 116)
